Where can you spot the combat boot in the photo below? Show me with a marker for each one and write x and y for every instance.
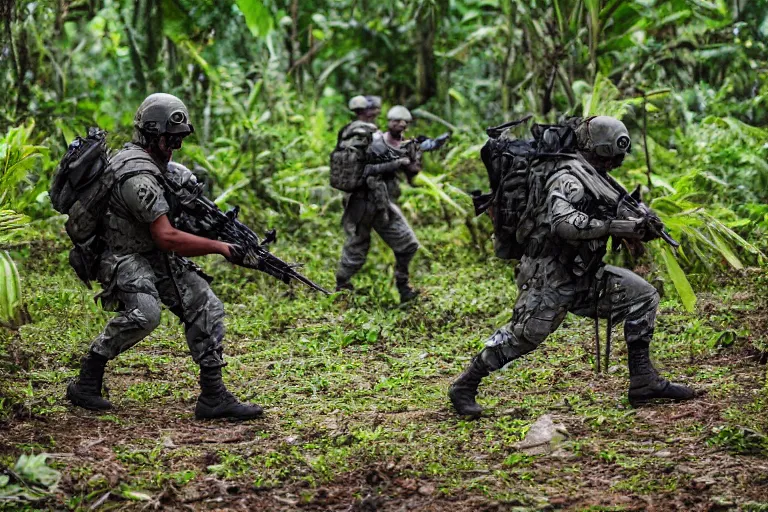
(407, 293)
(215, 401)
(645, 383)
(85, 392)
(464, 389)
(342, 285)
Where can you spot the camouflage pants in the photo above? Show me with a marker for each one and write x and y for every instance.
(137, 285)
(547, 292)
(361, 216)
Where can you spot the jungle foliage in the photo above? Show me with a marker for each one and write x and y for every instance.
(267, 83)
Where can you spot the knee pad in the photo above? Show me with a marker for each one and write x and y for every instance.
(146, 315)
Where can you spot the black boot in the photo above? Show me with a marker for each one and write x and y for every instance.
(342, 285)
(216, 402)
(402, 277)
(86, 390)
(645, 383)
(407, 293)
(464, 389)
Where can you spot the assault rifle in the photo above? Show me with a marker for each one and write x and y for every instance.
(417, 146)
(630, 207)
(424, 144)
(201, 215)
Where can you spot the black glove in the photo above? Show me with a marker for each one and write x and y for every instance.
(236, 254)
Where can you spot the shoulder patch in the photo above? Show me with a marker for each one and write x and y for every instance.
(570, 188)
(143, 197)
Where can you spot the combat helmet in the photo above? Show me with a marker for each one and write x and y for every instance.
(162, 113)
(373, 101)
(399, 113)
(604, 136)
(358, 103)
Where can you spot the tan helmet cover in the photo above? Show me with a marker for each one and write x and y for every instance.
(373, 101)
(358, 103)
(399, 113)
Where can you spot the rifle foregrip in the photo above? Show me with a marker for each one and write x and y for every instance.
(667, 238)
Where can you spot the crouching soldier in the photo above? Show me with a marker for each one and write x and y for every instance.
(563, 234)
(143, 265)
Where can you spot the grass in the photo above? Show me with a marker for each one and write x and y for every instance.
(354, 391)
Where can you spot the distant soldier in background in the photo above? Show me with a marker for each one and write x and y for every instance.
(366, 108)
(371, 202)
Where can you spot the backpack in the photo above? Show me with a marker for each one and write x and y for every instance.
(517, 173)
(80, 189)
(348, 157)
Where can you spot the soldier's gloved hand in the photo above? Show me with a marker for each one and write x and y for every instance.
(651, 233)
(628, 228)
(404, 161)
(654, 228)
(237, 255)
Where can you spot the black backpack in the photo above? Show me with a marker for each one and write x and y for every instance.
(348, 158)
(80, 189)
(517, 173)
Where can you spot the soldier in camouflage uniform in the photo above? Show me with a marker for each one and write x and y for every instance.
(366, 108)
(144, 265)
(363, 210)
(562, 271)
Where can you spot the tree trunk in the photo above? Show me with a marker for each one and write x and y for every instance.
(426, 79)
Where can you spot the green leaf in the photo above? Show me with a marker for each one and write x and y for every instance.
(136, 495)
(727, 253)
(176, 22)
(679, 279)
(257, 17)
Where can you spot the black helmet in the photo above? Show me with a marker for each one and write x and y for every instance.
(604, 136)
(162, 113)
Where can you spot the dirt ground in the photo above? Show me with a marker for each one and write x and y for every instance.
(357, 422)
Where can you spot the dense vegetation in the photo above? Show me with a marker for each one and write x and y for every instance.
(354, 386)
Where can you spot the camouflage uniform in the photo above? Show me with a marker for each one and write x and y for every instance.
(562, 271)
(142, 186)
(363, 213)
(137, 277)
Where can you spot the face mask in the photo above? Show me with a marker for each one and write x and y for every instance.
(173, 142)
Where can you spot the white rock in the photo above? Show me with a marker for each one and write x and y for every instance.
(543, 437)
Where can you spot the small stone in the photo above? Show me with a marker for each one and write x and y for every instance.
(663, 454)
(427, 489)
(543, 437)
(562, 454)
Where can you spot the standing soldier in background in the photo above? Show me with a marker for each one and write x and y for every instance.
(371, 206)
(366, 108)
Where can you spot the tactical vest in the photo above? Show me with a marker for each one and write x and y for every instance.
(120, 230)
